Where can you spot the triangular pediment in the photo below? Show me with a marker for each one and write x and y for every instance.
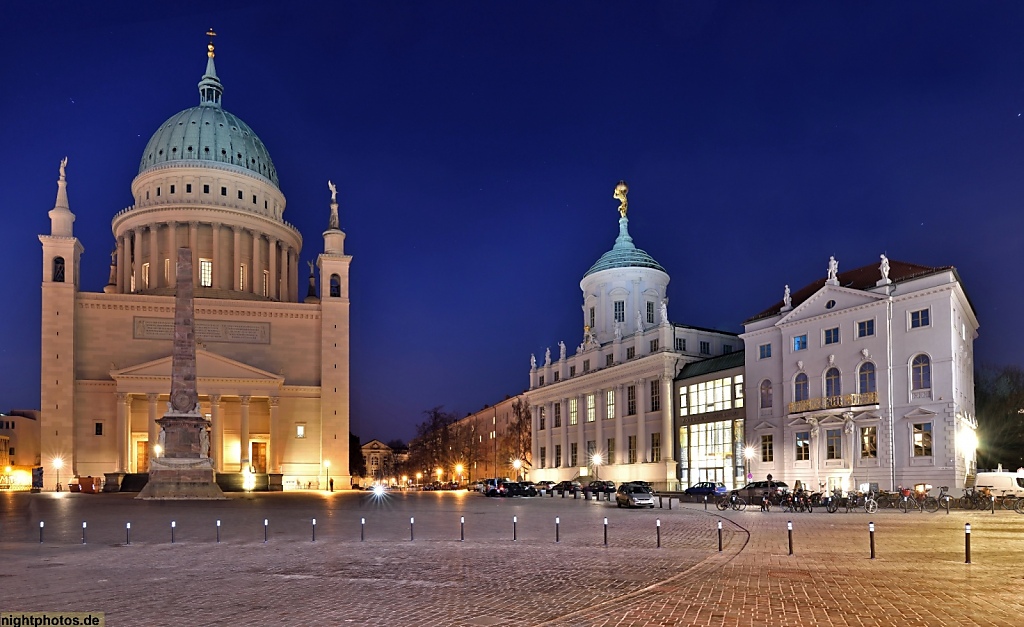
(209, 367)
(844, 297)
(920, 413)
(764, 424)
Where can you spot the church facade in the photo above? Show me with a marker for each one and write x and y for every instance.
(272, 355)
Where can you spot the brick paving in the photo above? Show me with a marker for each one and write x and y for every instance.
(918, 577)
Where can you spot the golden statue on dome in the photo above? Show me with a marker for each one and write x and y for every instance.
(620, 194)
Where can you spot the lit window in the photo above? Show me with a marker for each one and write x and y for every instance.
(241, 277)
(591, 407)
(205, 273)
(803, 446)
(767, 449)
(800, 388)
(541, 418)
(764, 351)
(766, 394)
(834, 444)
(167, 271)
(300, 431)
(865, 328)
(919, 319)
(800, 342)
(923, 439)
(573, 414)
(832, 335)
(266, 283)
(609, 404)
(869, 442)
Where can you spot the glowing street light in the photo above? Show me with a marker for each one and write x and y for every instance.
(439, 472)
(419, 477)
(596, 460)
(458, 471)
(327, 466)
(748, 454)
(517, 464)
(58, 463)
(157, 450)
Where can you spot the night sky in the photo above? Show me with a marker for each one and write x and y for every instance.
(476, 146)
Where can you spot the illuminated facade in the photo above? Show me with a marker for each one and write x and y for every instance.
(709, 399)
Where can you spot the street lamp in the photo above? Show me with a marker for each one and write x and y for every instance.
(157, 449)
(327, 466)
(517, 464)
(748, 454)
(595, 459)
(439, 472)
(419, 477)
(458, 471)
(58, 463)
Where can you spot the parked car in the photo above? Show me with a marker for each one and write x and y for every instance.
(756, 489)
(645, 484)
(601, 486)
(568, 486)
(709, 488)
(634, 495)
(514, 488)
(545, 485)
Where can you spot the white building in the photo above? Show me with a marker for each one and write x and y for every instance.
(273, 359)
(607, 408)
(864, 378)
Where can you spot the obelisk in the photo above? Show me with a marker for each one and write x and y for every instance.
(184, 469)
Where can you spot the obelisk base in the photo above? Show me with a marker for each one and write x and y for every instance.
(185, 471)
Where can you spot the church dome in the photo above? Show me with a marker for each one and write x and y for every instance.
(624, 254)
(208, 133)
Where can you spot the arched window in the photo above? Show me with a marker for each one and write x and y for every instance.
(800, 390)
(58, 269)
(766, 394)
(921, 373)
(833, 386)
(335, 286)
(867, 378)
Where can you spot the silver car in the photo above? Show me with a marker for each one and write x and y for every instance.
(633, 495)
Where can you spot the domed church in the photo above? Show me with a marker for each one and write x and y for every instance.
(272, 356)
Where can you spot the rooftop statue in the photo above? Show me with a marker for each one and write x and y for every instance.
(620, 194)
(884, 268)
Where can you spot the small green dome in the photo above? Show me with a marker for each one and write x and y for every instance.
(209, 133)
(624, 254)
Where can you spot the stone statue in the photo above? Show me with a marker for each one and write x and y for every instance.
(547, 356)
(814, 426)
(639, 321)
(787, 299)
(561, 351)
(334, 190)
(63, 164)
(664, 311)
(620, 194)
(533, 361)
(833, 269)
(161, 439)
(618, 331)
(113, 257)
(311, 266)
(884, 268)
(204, 443)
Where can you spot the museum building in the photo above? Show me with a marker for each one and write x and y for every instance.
(272, 355)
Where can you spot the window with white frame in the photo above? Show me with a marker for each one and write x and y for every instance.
(650, 312)
(865, 328)
(205, 273)
(869, 442)
(630, 352)
(801, 389)
(543, 456)
(609, 361)
(541, 418)
(922, 439)
(833, 384)
(591, 407)
(803, 446)
(921, 373)
(266, 283)
(834, 444)
(243, 276)
(655, 447)
(592, 319)
(573, 413)
(611, 450)
(919, 319)
(586, 365)
(832, 335)
(631, 400)
(866, 378)
(764, 351)
(558, 414)
(654, 346)
(574, 451)
(766, 394)
(145, 275)
(558, 456)
(705, 348)
(619, 309)
(800, 342)
(655, 395)
(167, 272)
(300, 430)
(767, 448)
(632, 450)
(680, 344)
(609, 405)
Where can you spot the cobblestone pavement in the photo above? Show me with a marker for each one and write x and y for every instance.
(420, 573)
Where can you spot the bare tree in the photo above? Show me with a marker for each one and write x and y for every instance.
(516, 442)
(999, 399)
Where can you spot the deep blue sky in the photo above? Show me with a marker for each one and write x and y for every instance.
(476, 146)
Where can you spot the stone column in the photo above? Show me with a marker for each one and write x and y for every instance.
(599, 413)
(667, 429)
(581, 429)
(285, 291)
(193, 244)
(119, 274)
(137, 259)
(293, 279)
(236, 270)
(153, 280)
(272, 258)
(275, 435)
(643, 402)
(172, 253)
(548, 437)
(620, 410)
(256, 272)
(153, 428)
(535, 442)
(124, 402)
(218, 262)
(216, 433)
(565, 432)
(243, 433)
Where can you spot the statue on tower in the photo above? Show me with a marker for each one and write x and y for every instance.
(333, 223)
(620, 194)
(63, 164)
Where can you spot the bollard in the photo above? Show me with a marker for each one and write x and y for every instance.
(661, 502)
(556, 530)
(967, 542)
(993, 505)
(362, 529)
(871, 532)
(574, 494)
(172, 532)
(670, 502)
(719, 536)
(515, 519)
(128, 533)
(462, 528)
(314, 530)
(659, 532)
(40, 532)
(265, 523)
(83, 532)
(606, 532)
(563, 494)
(551, 493)
(218, 532)
(705, 502)
(412, 535)
(789, 525)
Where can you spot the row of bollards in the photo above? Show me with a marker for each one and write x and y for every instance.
(871, 539)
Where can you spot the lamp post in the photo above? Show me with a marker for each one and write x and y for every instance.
(458, 472)
(439, 472)
(517, 464)
(327, 466)
(58, 463)
(748, 454)
(596, 461)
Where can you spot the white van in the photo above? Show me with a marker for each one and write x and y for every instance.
(1000, 483)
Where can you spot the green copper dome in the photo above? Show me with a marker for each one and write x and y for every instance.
(624, 254)
(209, 133)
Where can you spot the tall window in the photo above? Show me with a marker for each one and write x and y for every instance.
(242, 277)
(655, 395)
(867, 378)
(832, 335)
(620, 310)
(764, 351)
(632, 450)
(591, 407)
(541, 417)
(609, 361)
(919, 319)
(591, 317)
(767, 449)
(558, 456)
(335, 286)
(766, 394)
(803, 446)
(654, 346)
(833, 387)
(705, 348)
(869, 442)
(205, 273)
(800, 388)
(572, 371)
(145, 275)
(921, 373)
(800, 342)
(865, 328)
(586, 365)
(573, 412)
(834, 444)
(609, 405)
(630, 352)
(591, 449)
(611, 450)
(266, 283)
(680, 343)
(543, 456)
(574, 451)
(558, 414)
(655, 447)
(650, 312)
(922, 439)
(167, 272)
(630, 400)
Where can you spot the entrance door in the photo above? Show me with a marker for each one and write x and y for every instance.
(259, 456)
(142, 456)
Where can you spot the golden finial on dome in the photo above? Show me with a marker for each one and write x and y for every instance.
(620, 194)
(209, 47)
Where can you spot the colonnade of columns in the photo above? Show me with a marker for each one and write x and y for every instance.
(123, 431)
(564, 436)
(281, 265)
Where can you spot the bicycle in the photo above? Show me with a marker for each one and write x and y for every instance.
(918, 501)
(1009, 501)
(735, 501)
(944, 500)
(857, 500)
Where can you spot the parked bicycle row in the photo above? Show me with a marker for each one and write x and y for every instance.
(903, 499)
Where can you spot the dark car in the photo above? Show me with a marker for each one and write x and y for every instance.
(756, 489)
(568, 486)
(643, 484)
(709, 488)
(513, 488)
(601, 486)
